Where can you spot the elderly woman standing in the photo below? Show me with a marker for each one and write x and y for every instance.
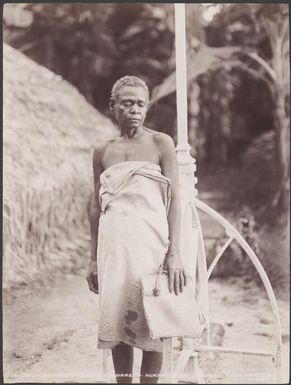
(135, 226)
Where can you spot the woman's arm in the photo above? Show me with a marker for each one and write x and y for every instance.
(95, 210)
(173, 261)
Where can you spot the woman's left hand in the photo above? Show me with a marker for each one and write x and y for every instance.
(176, 273)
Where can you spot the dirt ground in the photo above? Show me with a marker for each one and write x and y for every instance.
(50, 334)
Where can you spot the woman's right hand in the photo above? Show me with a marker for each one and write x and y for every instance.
(92, 277)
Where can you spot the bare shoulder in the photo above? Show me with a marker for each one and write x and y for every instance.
(99, 151)
(164, 142)
(168, 158)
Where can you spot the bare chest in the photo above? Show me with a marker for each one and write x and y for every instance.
(127, 150)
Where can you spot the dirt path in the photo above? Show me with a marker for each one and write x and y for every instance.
(245, 312)
(51, 337)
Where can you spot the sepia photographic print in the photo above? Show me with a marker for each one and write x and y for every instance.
(146, 193)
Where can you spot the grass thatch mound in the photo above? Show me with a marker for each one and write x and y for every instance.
(49, 133)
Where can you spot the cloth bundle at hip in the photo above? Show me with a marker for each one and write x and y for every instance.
(168, 314)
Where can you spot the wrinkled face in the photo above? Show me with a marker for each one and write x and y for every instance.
(130, 107)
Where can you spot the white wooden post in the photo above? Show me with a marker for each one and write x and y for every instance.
(191, 238)
(190, 231)
(186, 163)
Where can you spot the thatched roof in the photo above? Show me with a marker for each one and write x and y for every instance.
(49, 128)
(49, 133)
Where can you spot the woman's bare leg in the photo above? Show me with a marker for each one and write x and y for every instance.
(150, 367)
(122, 355)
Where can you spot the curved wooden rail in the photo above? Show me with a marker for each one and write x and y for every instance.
(233, 234)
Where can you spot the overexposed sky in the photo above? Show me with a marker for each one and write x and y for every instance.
(211, 9)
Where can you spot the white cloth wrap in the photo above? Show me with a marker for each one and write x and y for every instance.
(133, 240)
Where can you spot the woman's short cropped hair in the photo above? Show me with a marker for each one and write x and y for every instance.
(128, 81)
